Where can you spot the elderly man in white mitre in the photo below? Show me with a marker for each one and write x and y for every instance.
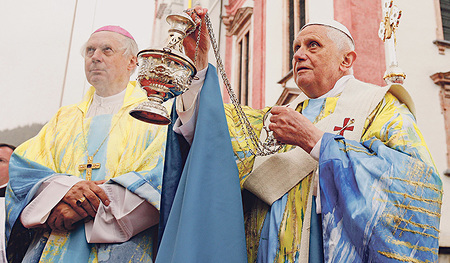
(354, 180)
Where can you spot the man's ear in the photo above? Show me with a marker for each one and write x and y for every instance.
(347, 62)
(132, 64)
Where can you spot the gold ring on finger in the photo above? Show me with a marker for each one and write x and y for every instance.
(80, 201)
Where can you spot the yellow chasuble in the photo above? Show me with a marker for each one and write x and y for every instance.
(391, 122)
(129, 152)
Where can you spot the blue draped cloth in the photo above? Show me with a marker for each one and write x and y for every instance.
(177, 149)
(372, 207)
(206, 222)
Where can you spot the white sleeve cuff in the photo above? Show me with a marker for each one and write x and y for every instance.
(315, 152)
(187, 130)
(187, 108)
(46, 198)
(126, 216)
(186, 101)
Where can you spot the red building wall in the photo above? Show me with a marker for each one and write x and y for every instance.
(363, 19)
(259, 54)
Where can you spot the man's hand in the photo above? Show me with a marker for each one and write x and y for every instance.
(64, 218)
(291, 127)
(190, 42)
(85, 196)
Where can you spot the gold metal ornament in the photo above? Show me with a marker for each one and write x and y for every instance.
(387, 33)
(165, 73)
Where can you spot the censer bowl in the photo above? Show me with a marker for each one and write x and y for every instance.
(164, 73)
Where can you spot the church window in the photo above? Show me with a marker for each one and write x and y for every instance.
(239, 27)
(443, 25)
(243, 60)
(295, 12)
(445, 14)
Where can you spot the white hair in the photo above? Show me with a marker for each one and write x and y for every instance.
(131, 49)
(130, 46)
(342, 41)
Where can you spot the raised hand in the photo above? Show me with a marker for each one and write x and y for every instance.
(190, 42)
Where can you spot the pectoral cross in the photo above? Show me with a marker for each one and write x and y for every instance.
(345, 127)
(88, 167)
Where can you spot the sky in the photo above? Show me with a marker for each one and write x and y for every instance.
(40, 62)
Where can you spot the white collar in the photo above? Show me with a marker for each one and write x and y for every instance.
(105, 105)
(114, 99)
(338, 87)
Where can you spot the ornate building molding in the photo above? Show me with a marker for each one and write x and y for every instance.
(233, 22)
(442, 45)
(233, 6)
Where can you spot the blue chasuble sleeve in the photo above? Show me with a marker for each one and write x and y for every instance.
(378, 204)
(25, 178)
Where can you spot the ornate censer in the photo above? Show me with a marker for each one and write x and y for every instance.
(165, 73)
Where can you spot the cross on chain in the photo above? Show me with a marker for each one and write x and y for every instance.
(345, 127)
(88, 167)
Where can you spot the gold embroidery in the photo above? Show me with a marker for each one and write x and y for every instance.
(411, 246)
(348, 147)
(401, 258)
(400, 219)
(414, 197)
(417, 232)
(413, 208)
(354, 149)
(419, 184)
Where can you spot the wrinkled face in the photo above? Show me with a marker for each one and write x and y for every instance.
(104, 62)
(316, 61)
(5, 155)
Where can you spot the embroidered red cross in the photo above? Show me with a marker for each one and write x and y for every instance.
(345, 127)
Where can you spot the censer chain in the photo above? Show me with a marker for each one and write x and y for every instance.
(270, 146)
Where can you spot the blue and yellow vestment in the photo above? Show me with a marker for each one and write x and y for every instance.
(380, 197)
(132, 156)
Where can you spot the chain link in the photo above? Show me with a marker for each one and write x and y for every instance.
(198, 42)
(270, 146)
